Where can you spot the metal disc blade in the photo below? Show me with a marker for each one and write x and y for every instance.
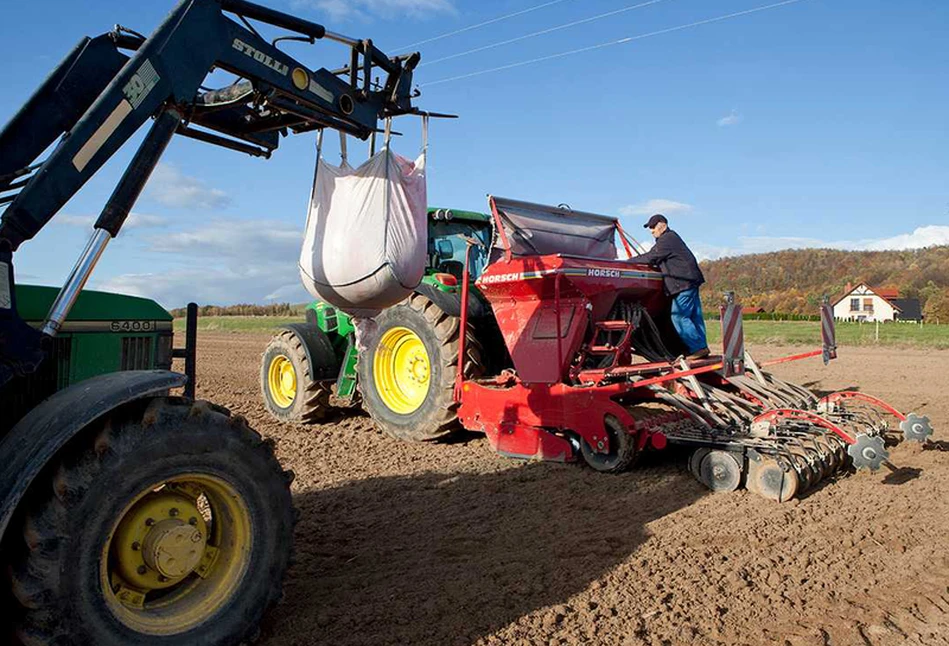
(721, 471)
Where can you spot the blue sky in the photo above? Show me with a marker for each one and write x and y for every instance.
(819, 123)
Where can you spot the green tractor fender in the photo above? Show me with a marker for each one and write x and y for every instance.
(318, 348)
(32, 443)
(449, 300)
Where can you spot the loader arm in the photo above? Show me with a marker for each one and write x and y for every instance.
(107, 87)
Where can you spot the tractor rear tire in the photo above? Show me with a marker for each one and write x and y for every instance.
(408, 368)
(141, 497)
(296, 397)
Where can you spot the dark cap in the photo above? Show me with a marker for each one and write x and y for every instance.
(654, 220)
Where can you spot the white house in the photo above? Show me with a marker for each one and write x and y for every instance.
(864, 303)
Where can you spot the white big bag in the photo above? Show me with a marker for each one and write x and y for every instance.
(366, 236)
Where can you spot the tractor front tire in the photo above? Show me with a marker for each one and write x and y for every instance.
(407, 371)
(169, 522)
(286, 381)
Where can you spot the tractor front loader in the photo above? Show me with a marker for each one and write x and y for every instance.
(128, 514)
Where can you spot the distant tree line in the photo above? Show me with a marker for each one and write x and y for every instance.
(793, 281)
(766, 316)
(243, 309)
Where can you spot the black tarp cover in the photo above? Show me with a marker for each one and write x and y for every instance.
(538, 230)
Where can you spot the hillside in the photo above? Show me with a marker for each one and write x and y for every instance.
(793, 281)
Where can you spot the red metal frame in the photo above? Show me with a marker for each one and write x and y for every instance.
(598, 375)
(793, 357)
(870, 399)
(524, 420)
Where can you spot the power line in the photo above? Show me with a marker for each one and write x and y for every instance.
(482, 24)
(544, 31)
(611, 43)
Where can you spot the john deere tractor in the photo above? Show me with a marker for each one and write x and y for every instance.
(149, 513)
(130, 513)
(406, 376)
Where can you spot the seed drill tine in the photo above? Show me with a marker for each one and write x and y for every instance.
(695, 385)
(750, 363)
(700, 393)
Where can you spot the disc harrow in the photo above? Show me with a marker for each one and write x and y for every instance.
(782, 440)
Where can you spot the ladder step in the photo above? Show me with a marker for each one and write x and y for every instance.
(602, 349)
(613, 326)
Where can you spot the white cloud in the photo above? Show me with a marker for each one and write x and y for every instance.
(170, 187)
(926, 236)
(363, 9)
(245, 240)
(658, 205)
(226, 286)
(733, 118)
(134, 221)
(222, 262)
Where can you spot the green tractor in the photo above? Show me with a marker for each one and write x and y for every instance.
(406, 375)
(130, 513)
(143, 513)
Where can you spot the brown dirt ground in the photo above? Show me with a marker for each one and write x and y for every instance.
(449, 544)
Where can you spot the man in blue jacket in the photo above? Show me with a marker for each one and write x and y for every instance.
(681, 278)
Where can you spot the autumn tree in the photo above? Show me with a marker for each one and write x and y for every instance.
(937, 307)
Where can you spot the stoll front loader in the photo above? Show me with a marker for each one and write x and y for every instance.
(557, 349)
(129, 514)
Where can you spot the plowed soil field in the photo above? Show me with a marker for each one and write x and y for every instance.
(448, 544)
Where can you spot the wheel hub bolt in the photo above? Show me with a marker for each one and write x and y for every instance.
(142, 569)
(192, 521)
(149, 522)
(136, 546)
(173, 512)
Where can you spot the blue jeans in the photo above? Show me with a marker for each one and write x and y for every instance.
(687, 319)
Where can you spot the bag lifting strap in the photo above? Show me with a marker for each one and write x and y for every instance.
(424, 135)
(316, 168)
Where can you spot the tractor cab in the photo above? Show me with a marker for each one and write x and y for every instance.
(450, 233)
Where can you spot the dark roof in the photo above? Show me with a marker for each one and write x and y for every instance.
(909, 309)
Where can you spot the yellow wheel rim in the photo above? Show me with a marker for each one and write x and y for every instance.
(282, 381)
(177, 554)
(401, 370)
